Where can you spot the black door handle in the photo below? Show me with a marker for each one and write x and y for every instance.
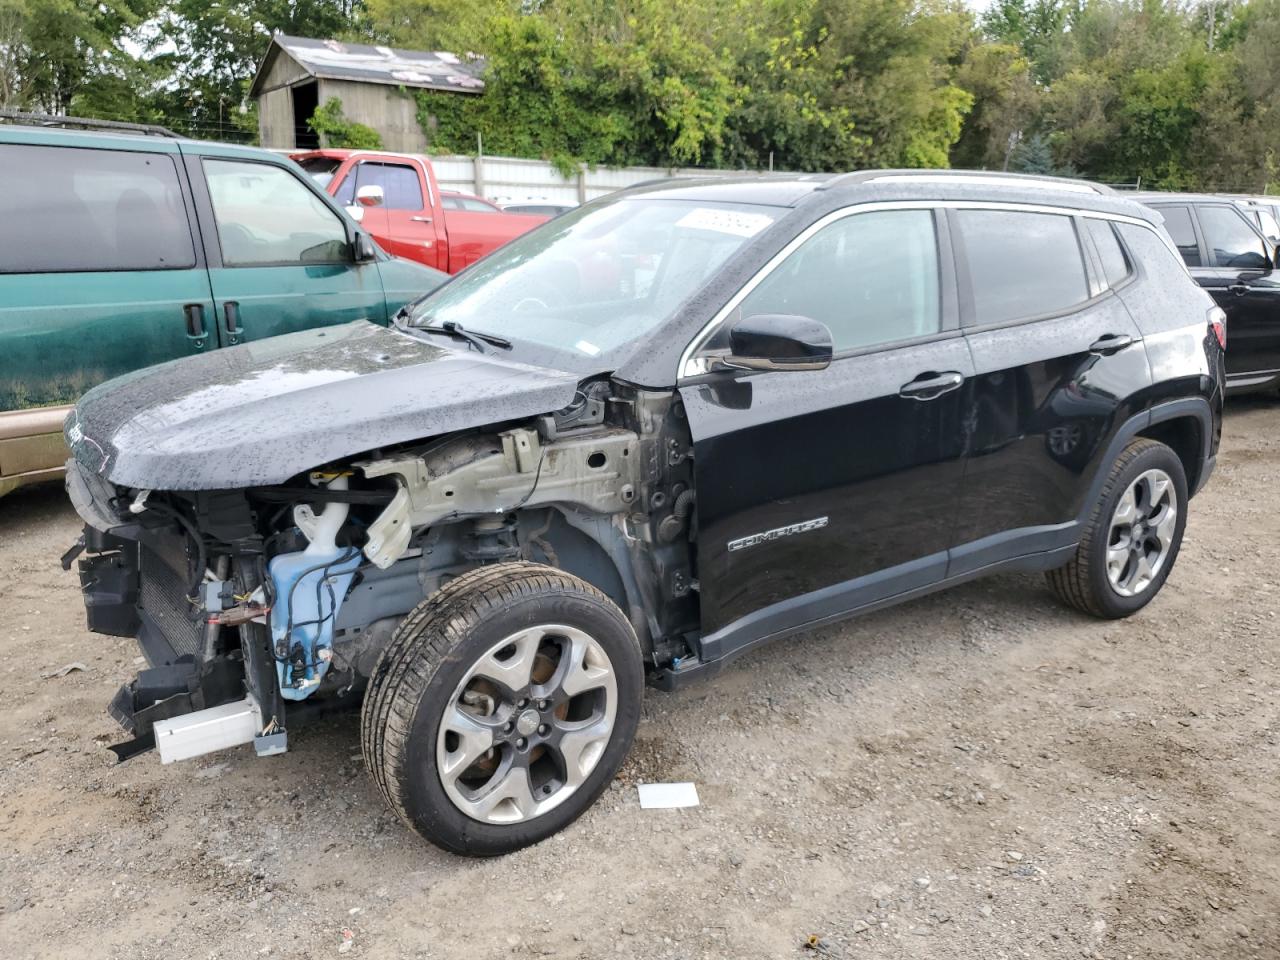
(1111, 343)
(930, 386)
(231, 318)
(194, 312)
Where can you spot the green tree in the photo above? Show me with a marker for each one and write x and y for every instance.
(632, 82)
(51, 51)
(210, 50)
(1006, 101)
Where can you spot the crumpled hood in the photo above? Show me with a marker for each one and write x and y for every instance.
(267, 410)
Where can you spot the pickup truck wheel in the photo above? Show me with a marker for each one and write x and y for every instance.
(502, 707)
(1132, 536)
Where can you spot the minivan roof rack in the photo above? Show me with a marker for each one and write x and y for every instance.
(84, 123)
(978, 177)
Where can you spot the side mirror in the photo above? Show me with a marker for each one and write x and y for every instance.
(370, 195)
(363, 249)
(778, 341)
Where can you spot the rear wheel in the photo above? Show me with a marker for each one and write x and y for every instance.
(1132, 537)
(502, 707)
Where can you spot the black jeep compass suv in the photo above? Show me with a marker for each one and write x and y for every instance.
(654, 433)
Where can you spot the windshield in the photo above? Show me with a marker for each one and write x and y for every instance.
(593, 282)
(321, 169)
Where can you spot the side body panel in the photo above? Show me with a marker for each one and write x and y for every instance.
(473, 235)
(874, 472)
(1045, 407)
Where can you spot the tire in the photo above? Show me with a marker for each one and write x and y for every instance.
(450, 678)
(1087, 583)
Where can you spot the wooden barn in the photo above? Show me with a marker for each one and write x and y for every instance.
(373, 82)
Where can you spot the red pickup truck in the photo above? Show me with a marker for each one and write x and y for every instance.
(396, 199)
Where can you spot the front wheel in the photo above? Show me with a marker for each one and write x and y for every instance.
(1132, 536)
(502, 707)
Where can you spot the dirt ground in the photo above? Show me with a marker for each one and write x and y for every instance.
(981, 774)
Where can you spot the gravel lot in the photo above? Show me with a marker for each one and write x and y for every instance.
(981, 774)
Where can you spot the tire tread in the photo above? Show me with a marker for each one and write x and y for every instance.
(424, 642)
(1072, 582)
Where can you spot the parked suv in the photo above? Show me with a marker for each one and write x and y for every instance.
(1227, 253)
(125, 246)
(633, 444)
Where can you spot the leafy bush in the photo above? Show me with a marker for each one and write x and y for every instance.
(330, 122)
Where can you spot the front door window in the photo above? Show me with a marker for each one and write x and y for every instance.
(267, 217)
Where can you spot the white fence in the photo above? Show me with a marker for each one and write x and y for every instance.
(510, 180)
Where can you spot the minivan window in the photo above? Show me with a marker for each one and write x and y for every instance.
(1022, 264)
(871, 278)
(1230, 239)
(1177, 220)
(1115, 266)
(92, 210)
(266, 216)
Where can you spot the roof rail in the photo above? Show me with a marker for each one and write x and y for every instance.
(84, 123)
(978, 177)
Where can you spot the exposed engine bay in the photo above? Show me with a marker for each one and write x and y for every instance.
(258, 605)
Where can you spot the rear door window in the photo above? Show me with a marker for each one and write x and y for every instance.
(1022, 265)
(1177, 220)
(1231, 241)
(92, 210)
(872, 278)
(266, 217)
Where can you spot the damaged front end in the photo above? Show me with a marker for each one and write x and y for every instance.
(250, 604)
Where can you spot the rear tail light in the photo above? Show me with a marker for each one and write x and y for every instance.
(1218, 324)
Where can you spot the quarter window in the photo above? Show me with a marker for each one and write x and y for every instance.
(1022, 264)
(1230, 239)
(92, 210)
(266, 216)
(871, 278)
(1177, 220)
(1268, 223)
(1115, 266)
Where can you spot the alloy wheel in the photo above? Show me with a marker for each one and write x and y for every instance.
(527, 724)
(1141, 534)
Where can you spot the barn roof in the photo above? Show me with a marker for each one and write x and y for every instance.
(337, 60)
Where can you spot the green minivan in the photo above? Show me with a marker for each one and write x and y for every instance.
(124, 249)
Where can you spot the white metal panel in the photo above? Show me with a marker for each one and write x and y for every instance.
(517, 180)
(204, 731)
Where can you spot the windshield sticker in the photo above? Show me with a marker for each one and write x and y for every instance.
(590, 349)
(734, 222)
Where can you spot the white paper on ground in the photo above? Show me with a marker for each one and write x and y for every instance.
(659, 796)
